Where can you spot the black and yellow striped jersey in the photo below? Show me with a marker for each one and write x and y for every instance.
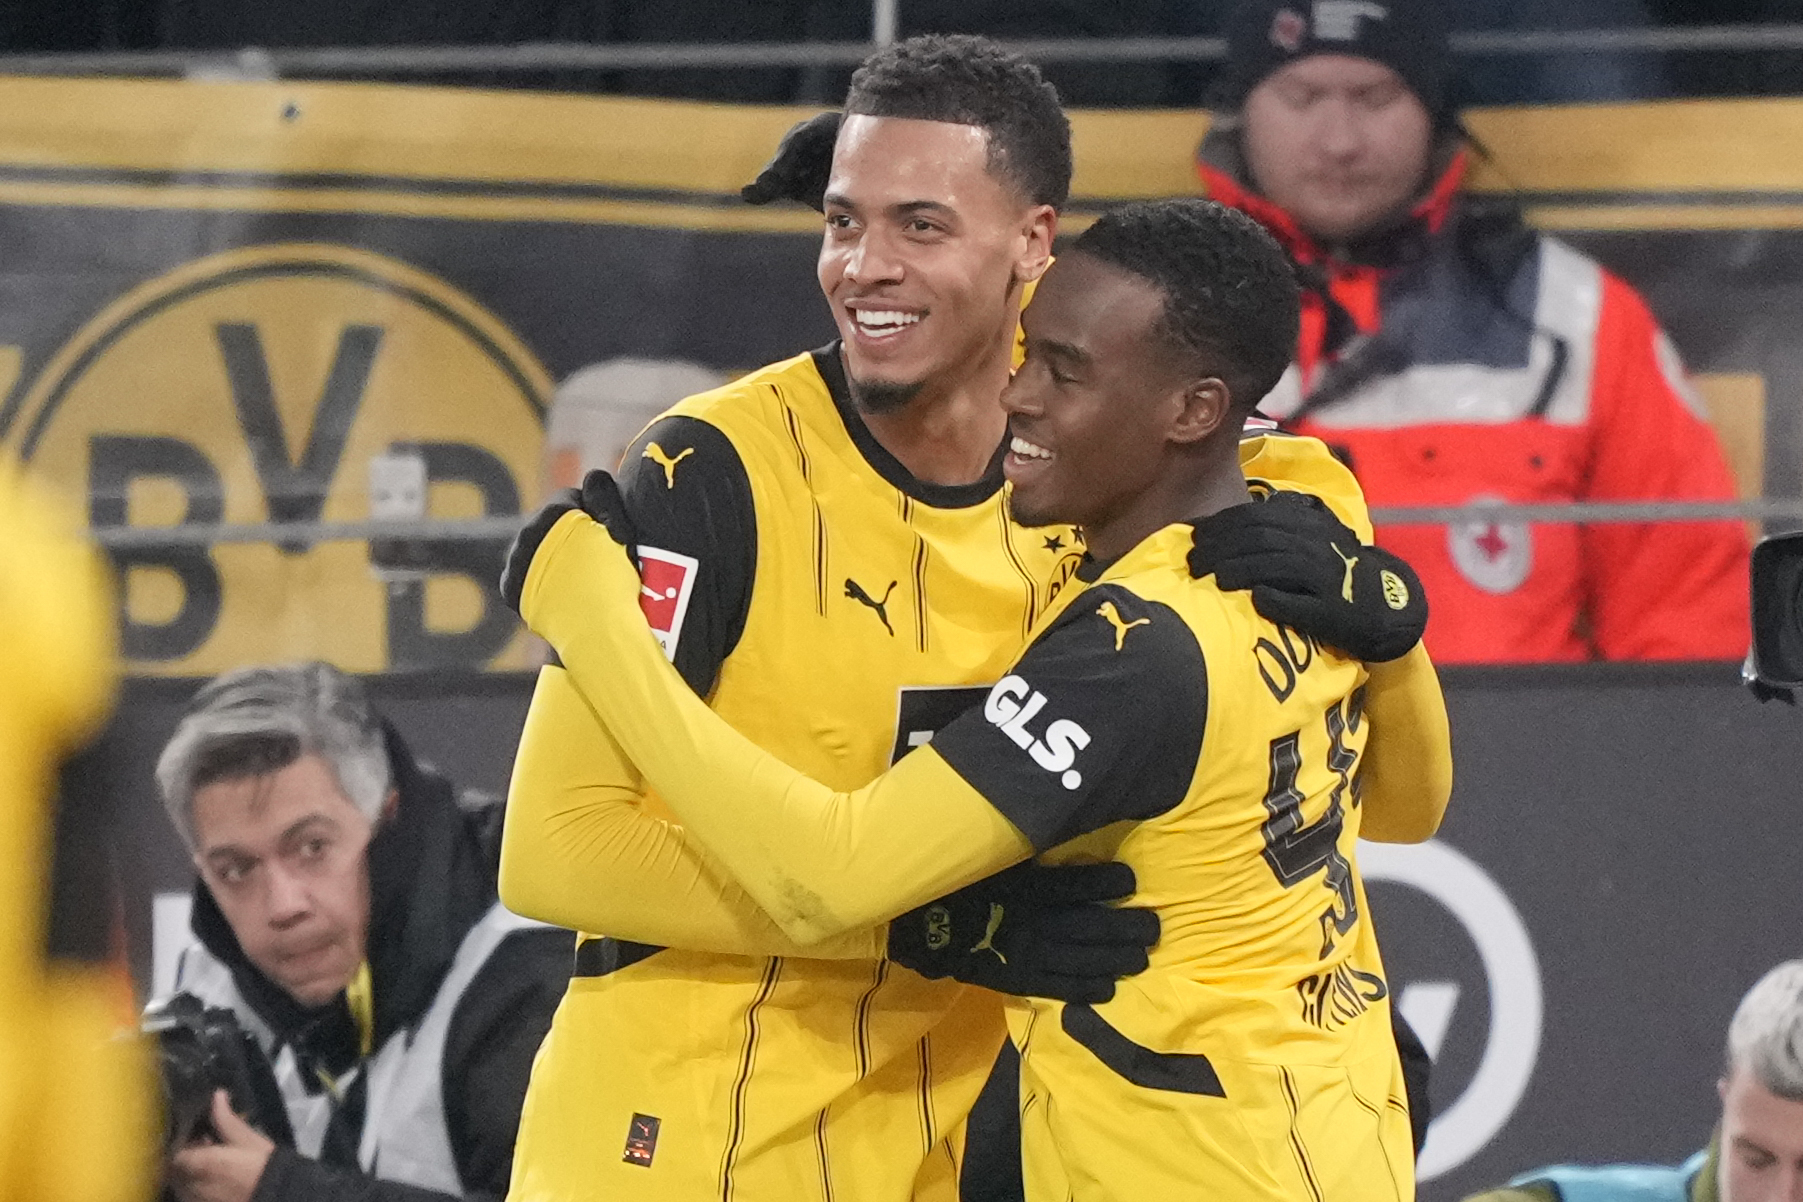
(837, 611)
(1160, 721)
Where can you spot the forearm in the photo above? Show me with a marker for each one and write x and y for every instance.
(580, 849)
(1407, 772)
(820, 862)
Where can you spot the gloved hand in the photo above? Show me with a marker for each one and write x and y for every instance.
(800, 167)
(599, 497)
(1032, 931)
(1307, 570)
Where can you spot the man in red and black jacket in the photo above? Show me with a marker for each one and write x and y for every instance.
(1454, 355)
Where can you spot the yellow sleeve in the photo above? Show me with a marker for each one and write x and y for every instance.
(580, 850)
(1407, 770)
(818, 861)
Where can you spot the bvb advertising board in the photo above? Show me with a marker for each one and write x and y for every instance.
(222, 303)
(257, 385)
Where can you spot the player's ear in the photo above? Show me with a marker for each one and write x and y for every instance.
(1038, 229)
(1203, 407)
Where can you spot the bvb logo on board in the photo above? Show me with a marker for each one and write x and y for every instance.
(256, 386)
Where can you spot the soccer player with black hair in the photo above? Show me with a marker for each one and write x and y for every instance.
(1155, 718)
(830, 562)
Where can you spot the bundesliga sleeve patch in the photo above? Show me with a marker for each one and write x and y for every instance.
(666, 582)
(641, 1139)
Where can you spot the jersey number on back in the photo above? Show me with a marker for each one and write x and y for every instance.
(1296, 852)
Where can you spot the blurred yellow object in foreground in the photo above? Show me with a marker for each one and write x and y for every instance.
(75, 1096)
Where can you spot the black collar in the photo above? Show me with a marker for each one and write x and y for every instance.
(886, 465)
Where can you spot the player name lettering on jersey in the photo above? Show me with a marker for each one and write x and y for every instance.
(1012, 704)
(666, 582)
(1283, 660)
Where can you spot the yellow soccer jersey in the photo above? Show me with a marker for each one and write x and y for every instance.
(837, 611)
(1167, 725)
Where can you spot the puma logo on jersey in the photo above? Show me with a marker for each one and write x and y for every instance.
(987, 942)
(1012, 704)
(856, 592)
(1112, 616)
(1350, 562)
(656, 454)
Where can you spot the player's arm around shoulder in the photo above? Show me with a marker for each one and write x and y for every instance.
(699, 548)
(579, 848)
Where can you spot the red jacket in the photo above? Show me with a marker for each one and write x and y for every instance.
(1465, 357)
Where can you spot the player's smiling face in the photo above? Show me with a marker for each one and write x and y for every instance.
(1100, 404)
(926, 251)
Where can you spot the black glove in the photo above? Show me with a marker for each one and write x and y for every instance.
(800, 167)
(1307, 570)
(1032, 931)
(599, 497)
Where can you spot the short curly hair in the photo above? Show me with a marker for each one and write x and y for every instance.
(966, 80)
(1230, 292)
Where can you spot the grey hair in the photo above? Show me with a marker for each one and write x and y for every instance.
(253, 721)
(1766, 1036)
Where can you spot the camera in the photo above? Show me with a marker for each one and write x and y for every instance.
(201, 1049)
(1775, 665)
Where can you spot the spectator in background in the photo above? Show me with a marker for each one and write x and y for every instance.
(1756, 1153)
(346, 913)
(1453, 354)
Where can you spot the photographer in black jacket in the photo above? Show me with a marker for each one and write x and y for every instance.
(346, 913)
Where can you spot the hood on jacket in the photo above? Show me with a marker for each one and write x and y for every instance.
(432, 873)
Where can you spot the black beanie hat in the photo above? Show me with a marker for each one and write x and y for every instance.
(1407, 36)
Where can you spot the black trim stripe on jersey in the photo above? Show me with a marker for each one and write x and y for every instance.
(929, 1129)
(1026, 577)
(826, 1167)
(736, 1131)
(1377, 1115)
(951, 1158)
(792, 423)
(861, 1036)
(885, 464)
(1171, 1072)
(820, 558)
(920, 593)
(1295, 1106)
